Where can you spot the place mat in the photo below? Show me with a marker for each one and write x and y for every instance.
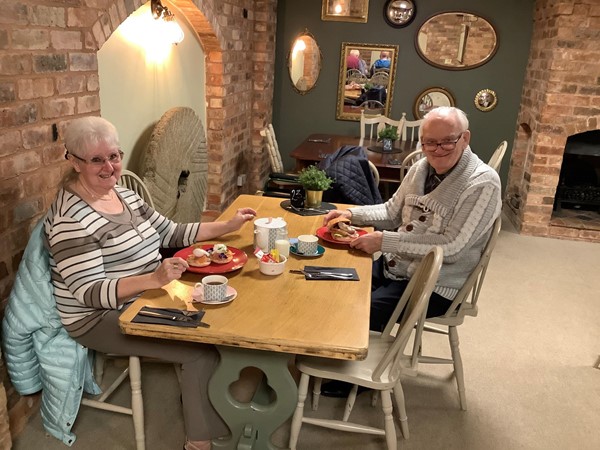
(328, 273)
(181, 320)
(379, 149)
(323, 209)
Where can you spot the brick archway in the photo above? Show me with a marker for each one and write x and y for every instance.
(206, 27)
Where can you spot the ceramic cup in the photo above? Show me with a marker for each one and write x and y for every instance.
(214, 287)
(308, 244)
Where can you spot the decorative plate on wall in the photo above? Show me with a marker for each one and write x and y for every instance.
(486, 100)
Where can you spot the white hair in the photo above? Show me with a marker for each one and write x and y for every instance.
(83, 134)
(447, 111)
(355, 52)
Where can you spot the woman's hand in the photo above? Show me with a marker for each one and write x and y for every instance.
(336, 213)
(242, 216)
(170, 269)
(368, 243)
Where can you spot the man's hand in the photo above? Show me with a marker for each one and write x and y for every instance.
(336, 213)
(368, 243)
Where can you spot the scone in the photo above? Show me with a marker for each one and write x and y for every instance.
(221, 254)
(199, 258)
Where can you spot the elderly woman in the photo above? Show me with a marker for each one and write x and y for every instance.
(104, 243)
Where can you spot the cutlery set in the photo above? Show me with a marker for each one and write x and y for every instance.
(326, 274)
(190, 318)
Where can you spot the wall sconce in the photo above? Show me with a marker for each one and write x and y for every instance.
(170, 28)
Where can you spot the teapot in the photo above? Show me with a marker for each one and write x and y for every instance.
(267, 230)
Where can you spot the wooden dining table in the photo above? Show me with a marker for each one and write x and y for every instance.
(272, 319)
(316, 147)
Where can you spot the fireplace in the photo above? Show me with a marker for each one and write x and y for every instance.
(578, 184)
(552, 187)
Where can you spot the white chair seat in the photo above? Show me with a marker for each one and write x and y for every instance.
(464, 304)
(379, 371)
(131, 181)
(134, 372)
(354, 372)
(496, 160)
(410, 129)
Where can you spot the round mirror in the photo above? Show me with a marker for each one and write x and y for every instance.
(304, 63)
(399, 13)
(431, 98)
(456, 41)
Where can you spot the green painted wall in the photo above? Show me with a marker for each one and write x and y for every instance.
(295, 116)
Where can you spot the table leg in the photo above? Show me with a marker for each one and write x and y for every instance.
(252, 423)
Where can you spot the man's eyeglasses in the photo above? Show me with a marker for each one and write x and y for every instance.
(446, 145)
(113, 158)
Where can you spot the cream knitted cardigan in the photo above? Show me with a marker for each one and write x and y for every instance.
(458, 216)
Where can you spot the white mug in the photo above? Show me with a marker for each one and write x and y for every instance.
(214, 288)
(308, 244)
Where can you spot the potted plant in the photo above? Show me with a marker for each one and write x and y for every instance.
(388, 135)
(314, 181)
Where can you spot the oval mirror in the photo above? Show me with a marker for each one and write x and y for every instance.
(366, 80)
(304, 63)
(456, 41)
(431, 98)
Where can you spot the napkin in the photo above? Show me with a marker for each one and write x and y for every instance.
(194, 321)
(328, 273)
(323, 209)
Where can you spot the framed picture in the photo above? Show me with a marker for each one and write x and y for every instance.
(345, 10)
(486, 100)
(431, 98)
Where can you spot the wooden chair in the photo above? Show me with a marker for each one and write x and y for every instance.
(380, 370)
(371, 125)
(380, 78)
(407, 162)
(131, 181)
(278, 183)
(273, 148)
(372, 108)
(356, 76)
(464, 304)
(410, 129)
(496, 160)
(133, 371)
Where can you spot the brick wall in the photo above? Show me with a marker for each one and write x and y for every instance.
(560, 98)
(49, 75)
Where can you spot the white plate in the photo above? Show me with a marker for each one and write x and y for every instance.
(230, 291)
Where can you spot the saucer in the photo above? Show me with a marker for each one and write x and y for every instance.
(230, 291)
(294, 250)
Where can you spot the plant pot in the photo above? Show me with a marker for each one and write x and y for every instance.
(313, 199)
(388, 145)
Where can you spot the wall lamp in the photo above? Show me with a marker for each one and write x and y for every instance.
(171, 28)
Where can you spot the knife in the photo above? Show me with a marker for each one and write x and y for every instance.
(172, 317)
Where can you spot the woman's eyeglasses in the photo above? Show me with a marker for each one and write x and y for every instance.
(446, 145)
(113, 158)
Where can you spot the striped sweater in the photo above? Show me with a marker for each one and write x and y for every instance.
(90, 251)
(457, 215)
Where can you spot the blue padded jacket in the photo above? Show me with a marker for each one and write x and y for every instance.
(39, 353)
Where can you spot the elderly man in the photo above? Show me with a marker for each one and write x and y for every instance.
(449, 198)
